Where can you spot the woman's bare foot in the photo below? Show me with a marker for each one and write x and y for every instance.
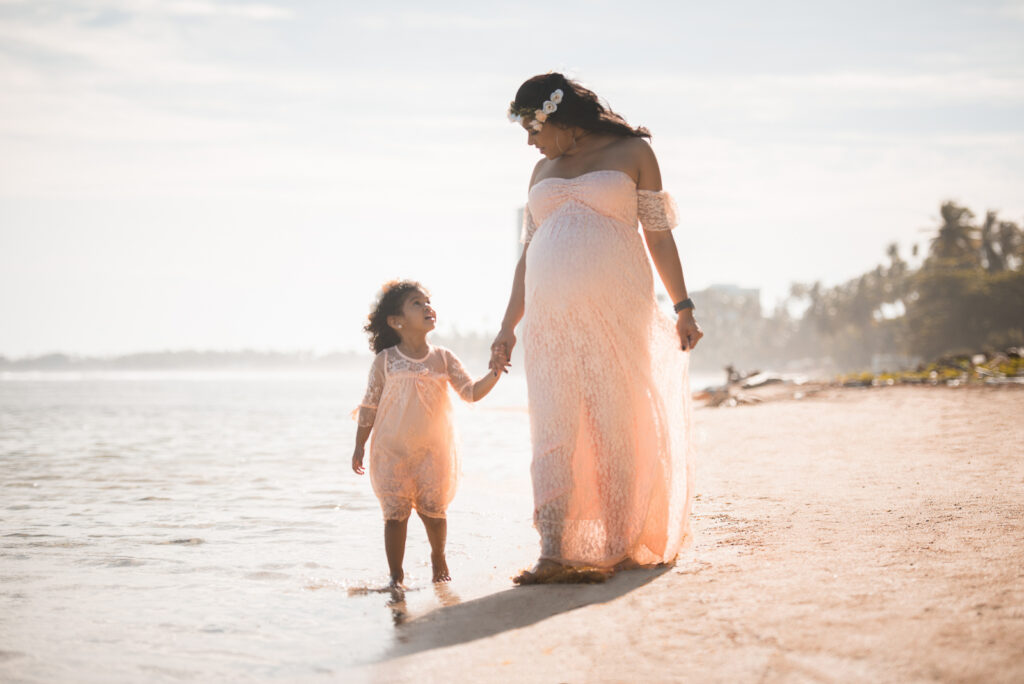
(550, 572)
(628, 564)
(541, 573)
(440, 567)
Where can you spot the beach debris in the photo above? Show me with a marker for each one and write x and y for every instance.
(740, 387)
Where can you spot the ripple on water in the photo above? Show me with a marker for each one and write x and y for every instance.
(344, 506)
(318, 583)
(266, 575)
(64, 544)
(276, 566)
(190, 541)
(116, 562)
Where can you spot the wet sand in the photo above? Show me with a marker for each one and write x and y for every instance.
(853, 536)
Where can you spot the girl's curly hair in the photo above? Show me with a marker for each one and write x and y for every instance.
(389, 302)
(580, 106)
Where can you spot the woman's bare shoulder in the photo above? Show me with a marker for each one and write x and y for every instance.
(641, 157)
(637, 149)
(537, 170)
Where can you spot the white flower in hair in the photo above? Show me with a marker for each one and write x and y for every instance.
(539, 115)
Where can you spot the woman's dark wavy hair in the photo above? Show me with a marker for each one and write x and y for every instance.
(390, 301)
(579, 107)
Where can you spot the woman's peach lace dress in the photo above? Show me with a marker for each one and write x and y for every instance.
(608, 390)
(413, 457)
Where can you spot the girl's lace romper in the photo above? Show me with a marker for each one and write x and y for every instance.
(413, 455)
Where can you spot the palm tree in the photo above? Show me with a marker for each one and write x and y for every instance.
(995, 259)
(955, 240)
(1011, 244)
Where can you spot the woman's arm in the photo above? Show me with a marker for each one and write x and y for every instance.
(501, 348)
(664, 252)
(665, 256)
(517, 299)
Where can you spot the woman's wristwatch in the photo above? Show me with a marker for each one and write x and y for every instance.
(685, 304)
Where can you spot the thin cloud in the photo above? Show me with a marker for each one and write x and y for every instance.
(776, 95)
(196, 8)
(435, 20)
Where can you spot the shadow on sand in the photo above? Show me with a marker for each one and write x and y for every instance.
(511, 609)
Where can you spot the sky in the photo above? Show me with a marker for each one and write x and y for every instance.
(201, 174)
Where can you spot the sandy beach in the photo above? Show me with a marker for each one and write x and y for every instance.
(853, 536)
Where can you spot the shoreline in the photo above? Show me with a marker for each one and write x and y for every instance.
(848, 536)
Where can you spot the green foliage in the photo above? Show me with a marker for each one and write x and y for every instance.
(959, 310)
(964, 369)
(967, 296)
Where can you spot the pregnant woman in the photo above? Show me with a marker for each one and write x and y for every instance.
(606, 369)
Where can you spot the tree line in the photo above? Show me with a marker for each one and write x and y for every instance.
(966, 296)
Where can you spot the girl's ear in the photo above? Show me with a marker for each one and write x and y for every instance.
(394, 322)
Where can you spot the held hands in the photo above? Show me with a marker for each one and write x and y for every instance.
(501, 351)
(689, 332)
(357, 461)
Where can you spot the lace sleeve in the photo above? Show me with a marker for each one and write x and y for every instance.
(458, 376)
(528, 226)
(367, 411)
(656, 210)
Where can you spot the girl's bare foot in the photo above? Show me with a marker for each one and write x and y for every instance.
(440, 567)
(397, 581)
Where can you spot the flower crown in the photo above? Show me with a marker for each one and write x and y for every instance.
(539, 116)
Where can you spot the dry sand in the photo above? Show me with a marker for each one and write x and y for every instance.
(854, 536)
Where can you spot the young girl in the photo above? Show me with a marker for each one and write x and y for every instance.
(413, 461)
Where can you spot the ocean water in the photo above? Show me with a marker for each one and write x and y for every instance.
(208, 527)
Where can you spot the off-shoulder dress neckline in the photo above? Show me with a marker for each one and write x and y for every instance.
(588, 173)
